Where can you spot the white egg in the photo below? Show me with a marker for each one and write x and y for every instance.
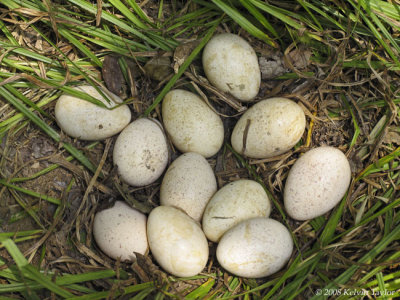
(191, 124)
(316, 183)
(268, 128)
(141, 152)
(87, 121)
(188, 184)
(231, 65)
(120, 231)
(255, 248)
(235, 202)
(176, 241)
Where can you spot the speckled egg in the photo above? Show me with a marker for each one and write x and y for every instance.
(141, 152)
(237, 201)
(176, 241)
(120, 231)
(191, 124)
(316, 183)
(87, 121)
(255, 248)
(231, 65)
(189, 183)
(269, 128)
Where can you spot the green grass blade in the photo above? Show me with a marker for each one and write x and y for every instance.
(202, 290)
(127, 13)
(30, 193)
(28, 269)
(65, 33)
(243, 22)
(46, 128)
(182, 69)
(346, 275)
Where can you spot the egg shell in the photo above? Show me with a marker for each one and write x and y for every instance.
(231, 65)
(275, 125)
(235, 202)
(120, 231)
(255, 248)
(141, 152)
(191, 124)
(316, 183)
(176, 241)
(188, 184)
(84, 120)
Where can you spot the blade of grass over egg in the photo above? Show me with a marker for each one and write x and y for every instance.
(46, 128)
(182, 68)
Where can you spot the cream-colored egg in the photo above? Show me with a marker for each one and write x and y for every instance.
(235, 202)
(268, 128)
(191, 124)
(231, 65)
(120, 231)
(176, 241)
(316, 183)
(188, 184)
(255, 248)
(141, 152)
(87, 121)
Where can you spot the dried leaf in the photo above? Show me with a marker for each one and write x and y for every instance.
(299, 58)
(113, 77)
(271, 67)
(158, 68)
(182, 52)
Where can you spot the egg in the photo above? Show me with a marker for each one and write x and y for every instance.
(269, 128)
(231, 65)
(141, 152)
(84, 120)
(176, 241)
(120, 231)
(316, 183)
(237, 201)
(188, 184)
(255, 248)
(191, 124)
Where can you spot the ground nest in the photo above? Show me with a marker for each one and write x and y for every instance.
(48, 198)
